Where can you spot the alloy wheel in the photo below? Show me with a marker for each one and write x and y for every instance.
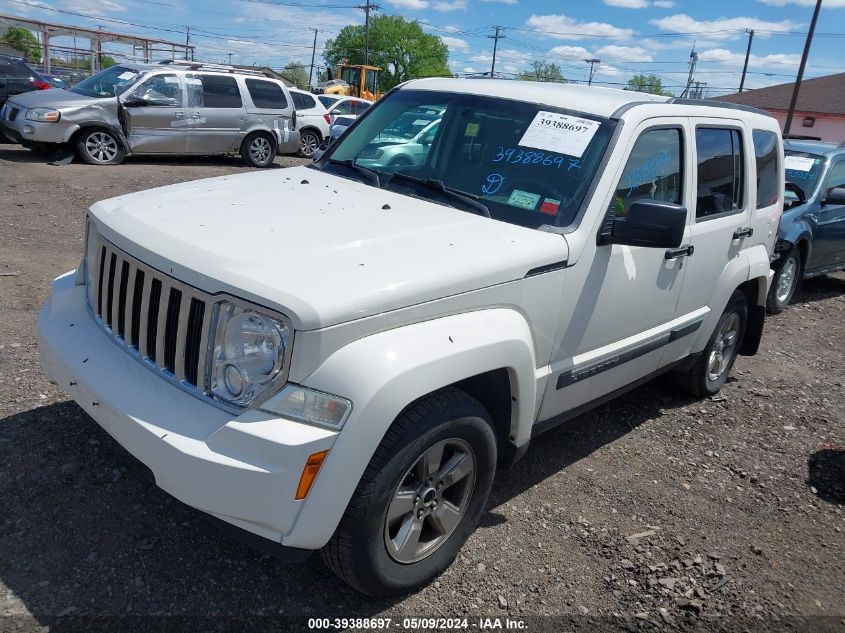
(430, 501)
(308, 143)
(724, 347)
(786, 280)
(102, 147)
(260, 150)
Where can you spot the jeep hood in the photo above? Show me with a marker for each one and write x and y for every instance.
(319, 248)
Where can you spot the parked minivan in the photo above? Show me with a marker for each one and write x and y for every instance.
(167, 108)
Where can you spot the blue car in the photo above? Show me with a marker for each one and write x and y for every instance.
(811, 237)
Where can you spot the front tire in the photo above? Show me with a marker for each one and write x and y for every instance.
(99, 146)
(785, 282)
(258, 149)
(420, 498)
(714, 365)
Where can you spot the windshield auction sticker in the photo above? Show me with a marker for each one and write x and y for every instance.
(799, 163)
(559, 133)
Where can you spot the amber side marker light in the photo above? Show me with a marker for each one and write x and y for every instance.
(309, 473)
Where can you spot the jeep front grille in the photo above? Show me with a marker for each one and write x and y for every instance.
(162, 321)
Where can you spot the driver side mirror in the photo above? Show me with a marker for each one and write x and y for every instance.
(834, 195)
(134, 102)
(651, 223)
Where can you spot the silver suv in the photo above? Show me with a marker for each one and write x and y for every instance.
(166, 108)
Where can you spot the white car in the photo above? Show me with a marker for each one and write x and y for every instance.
(312, 121)
(345, 370)
(344, 106)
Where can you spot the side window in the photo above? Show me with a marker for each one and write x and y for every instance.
(836, 178)
(720, 168)
(768, 162)
(163, 91)
(193, 85)
(220, 92)
(653, 170)
(266, 94)
(344, 107)
(302, 102)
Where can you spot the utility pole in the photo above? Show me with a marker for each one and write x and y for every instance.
(747, 56)
(313, 53)
(230, 59)
(187, 41)
(693, 60)
(794, 102)
(495, 39)
(592, 62)
(366, 8)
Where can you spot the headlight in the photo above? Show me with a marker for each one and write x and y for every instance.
(248, 353)
(371, 153)
(44, 115)
(309, 406)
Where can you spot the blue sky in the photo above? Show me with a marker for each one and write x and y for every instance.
(629, 36)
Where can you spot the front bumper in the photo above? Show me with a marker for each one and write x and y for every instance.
(24, 130)
(243, 470)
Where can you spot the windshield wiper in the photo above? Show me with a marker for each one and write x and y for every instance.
(437, 185)
(370, 174)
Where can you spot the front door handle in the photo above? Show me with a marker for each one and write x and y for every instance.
(178, 114)
(746, 231)
(682, 251)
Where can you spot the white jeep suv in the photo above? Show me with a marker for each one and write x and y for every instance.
(339, 357)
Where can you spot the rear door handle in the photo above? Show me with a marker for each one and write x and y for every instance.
(178, 114)
(746, 231)
(682, 251)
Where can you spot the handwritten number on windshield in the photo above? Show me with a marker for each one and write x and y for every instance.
(523, 157)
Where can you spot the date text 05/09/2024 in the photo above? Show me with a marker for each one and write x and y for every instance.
(418, 624)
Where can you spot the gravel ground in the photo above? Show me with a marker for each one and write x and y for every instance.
(652, 511)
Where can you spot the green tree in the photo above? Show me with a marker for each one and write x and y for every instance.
(295, 72)
(651, 84)
(399, 47)
(542, 71)
(24, 41)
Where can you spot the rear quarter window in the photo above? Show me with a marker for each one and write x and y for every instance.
(220, 92)
(767, 158)
(266, 94)
(303, 102)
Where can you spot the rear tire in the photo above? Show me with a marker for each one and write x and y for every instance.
(714, 365)
(785, 282)
(259, 149)
(409, 517)
(308, 142)
(99, 146)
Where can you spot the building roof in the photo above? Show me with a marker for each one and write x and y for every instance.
(823, 95)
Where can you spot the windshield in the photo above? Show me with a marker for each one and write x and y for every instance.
(110, 82)
(528, 164)
(803, 169)
(327, 101)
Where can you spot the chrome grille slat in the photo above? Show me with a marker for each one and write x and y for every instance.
(163, 303)
(108, 287)
(203, 347)
(181, 333)
(127, 308)
(145, 307)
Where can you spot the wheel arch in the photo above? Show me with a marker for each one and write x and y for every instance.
(88, 125)
(479, 352)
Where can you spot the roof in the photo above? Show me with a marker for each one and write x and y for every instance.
(814, 147)
(602, 101)
(823, 95)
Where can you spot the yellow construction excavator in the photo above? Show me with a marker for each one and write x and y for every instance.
(352, 80)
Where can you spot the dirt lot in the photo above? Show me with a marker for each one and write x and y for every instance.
(653, 511)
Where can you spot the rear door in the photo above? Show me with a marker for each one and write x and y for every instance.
(216, 112)
(829, 241)
(721, 216)
(155, 114)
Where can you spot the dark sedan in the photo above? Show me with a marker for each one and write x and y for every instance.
(811, 237)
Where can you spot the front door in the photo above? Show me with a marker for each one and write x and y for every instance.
(829, 240)
(155, 115)
(619, 301)
(721, 217)
(216, 112)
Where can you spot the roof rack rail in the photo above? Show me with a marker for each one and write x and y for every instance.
(223, 68)
(715, 103)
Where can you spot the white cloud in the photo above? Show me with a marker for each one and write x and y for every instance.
(627, 4)
(570, 52)
(562, 27)
(830, 4)
(416, 5)
(455, 5)
(664, 4)
(615, 53)
(724, 56)
(722, 28)
(501, 1)
(607, 70)
(455, 44)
